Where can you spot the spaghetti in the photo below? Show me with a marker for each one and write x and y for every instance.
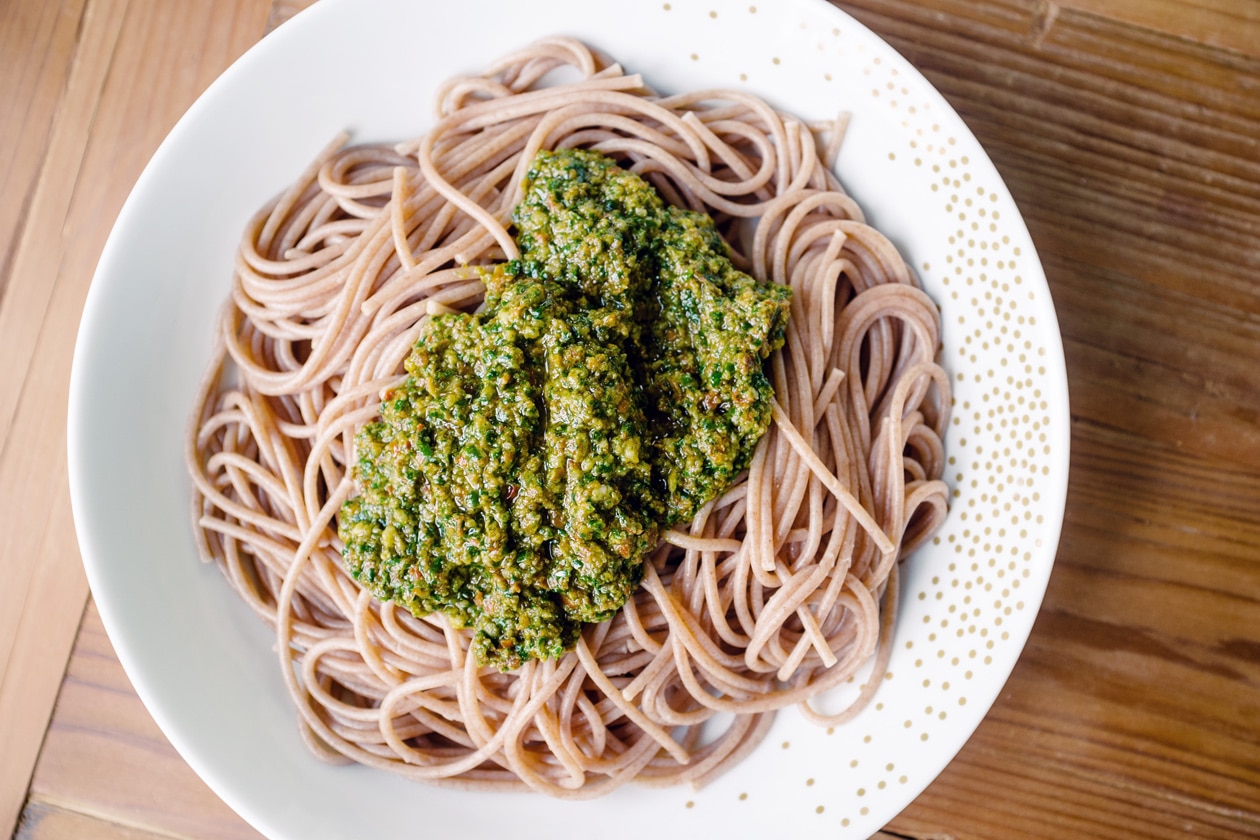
(782, 588)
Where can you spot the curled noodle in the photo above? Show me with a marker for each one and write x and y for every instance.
(782, 588)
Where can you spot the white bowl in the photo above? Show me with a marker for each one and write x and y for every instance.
(203, 664)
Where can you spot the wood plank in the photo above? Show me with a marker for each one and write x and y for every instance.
(1141, 640)
(36, 259)
(35, 266)
(1164, 365)
(1105, 134)
(105, 128)
(1134, 710)
(1229, 24)
(49, 821)
(1039, 797)
(1135, 158)
(48, 619)
(33, 474)
(103, 754)
(38, 42)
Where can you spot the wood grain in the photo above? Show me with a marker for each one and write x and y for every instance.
(1218, 23)
(1135, 709)
(129, 72)
(1129, 134)
(101, 722)
(40, 605)
(38, 41)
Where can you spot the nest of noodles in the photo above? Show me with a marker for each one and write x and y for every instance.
(779, 590)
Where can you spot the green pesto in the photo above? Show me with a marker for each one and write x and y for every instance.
(610, 387)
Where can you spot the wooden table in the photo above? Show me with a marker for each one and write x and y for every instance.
(1127, 132)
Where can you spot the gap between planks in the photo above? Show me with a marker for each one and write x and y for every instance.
(49, 818)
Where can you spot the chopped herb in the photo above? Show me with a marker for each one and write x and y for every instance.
(610, 387)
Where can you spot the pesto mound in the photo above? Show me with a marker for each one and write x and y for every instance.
(610, 387)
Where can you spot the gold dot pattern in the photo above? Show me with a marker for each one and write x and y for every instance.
(969, 596)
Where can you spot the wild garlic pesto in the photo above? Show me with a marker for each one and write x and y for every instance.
(611, 386)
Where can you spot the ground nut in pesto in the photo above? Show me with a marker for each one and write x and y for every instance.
(610, 387)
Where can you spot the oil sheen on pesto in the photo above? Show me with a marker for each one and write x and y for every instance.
(611, 385)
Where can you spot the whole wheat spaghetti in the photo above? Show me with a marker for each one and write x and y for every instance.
(780, 589)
